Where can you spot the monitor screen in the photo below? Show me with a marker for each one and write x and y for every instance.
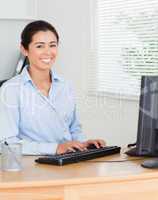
(147, 134)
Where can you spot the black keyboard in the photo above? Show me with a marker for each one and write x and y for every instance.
(74, 157)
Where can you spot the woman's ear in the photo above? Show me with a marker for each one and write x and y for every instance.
(23, 50)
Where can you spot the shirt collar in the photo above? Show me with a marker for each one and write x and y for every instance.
(27, 78)
(55, 76)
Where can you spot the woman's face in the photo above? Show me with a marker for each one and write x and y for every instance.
(42, 50)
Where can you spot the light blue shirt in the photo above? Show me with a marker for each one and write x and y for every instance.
(40, 123)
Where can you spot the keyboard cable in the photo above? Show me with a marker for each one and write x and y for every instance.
(113, 161)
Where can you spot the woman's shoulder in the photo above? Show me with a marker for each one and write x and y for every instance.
(61, 80)
(14, 80)
(11, 87)
(10, 91)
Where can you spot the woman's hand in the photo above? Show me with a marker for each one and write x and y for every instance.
(73, 145)
(70, 146)
(98, 143)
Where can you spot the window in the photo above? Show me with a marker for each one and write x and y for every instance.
(125, 47)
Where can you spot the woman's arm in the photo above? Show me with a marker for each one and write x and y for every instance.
(33, 147)
(10, 123)
(76, 129)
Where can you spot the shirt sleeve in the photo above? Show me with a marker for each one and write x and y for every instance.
(76, 129)
(9, 120)
(34, 148)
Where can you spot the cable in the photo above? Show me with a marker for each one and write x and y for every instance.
(131, 145)
(111, 161)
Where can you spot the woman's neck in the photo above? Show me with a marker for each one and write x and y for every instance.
(40, 76)
(42, 80)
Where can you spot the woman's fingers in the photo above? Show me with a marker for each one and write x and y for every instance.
(97, 143)
(101, 143)
(75, 145)
(70, 149)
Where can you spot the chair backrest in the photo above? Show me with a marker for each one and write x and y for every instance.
(2, 81)
(24, 62)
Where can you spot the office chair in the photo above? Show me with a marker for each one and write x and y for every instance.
(22, 62)
(2, 81)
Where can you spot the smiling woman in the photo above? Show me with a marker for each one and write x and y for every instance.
(42, 50)
(41, 53)
(37, 107)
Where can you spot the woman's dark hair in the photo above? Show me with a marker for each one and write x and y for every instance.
(34, 27)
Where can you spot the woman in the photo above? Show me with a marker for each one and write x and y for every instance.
(37, 107)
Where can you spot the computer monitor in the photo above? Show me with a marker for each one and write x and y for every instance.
(147, 133)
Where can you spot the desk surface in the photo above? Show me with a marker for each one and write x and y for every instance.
(34, 173)
(84, 173)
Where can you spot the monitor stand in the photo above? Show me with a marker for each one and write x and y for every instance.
(132, 152)
(135, 152)
(151, 164)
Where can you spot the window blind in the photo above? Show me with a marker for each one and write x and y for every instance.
(125, 46)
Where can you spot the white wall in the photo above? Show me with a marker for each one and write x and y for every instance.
(9, 46)
(111, 119)
(14, 15)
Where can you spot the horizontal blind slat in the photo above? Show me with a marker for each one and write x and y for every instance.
(126, 45)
